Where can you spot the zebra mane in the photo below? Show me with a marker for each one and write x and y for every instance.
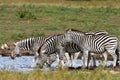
(75, 30)
(97, 33)
(53, 36)
(88, 33)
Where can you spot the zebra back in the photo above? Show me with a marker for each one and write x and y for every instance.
(97, 33)
(50, 46)
(31, 43)
(93, 42)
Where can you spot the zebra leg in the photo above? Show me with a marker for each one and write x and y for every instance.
(57, 59)
(72, 57)
(101, 61)
(118, 57)
(119, 54)
(62, 64)
(75, 58)
(105, 59)
(85, 59)
(68, 59)
(35, 59)
(61, 56)
(112, 53)
(92, 62)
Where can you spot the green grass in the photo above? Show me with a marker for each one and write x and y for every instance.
(25, 20)
(97, 74)
(20, 19)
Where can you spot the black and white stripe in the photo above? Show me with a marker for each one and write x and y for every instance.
(48, 48)
(72, 50)
(51, 47)
(93, 43)
(33, 44)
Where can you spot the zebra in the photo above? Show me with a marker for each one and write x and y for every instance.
(48, 48)
(75, 48)
(32, 43)
(92, 55)
(94, 44)
(51, 47)
(70, 49)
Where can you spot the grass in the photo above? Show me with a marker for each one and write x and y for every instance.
(97, 74)
(26, 18)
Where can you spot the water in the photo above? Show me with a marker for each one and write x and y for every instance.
(24, 63)
(18, 64)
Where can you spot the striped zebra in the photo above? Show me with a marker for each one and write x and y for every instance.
(94, 44)
(72, 50)
(33, 44)
(51, 47)
(48, 48)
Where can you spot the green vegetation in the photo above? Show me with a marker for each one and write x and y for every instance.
(26, 18)
(18, 21)
(97, 74)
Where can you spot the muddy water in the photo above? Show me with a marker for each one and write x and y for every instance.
(24, 63)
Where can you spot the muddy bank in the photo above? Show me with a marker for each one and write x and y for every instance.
(7, 52)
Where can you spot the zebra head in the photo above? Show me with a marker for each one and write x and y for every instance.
(16, 51)
(43, 61)
(46, 60)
